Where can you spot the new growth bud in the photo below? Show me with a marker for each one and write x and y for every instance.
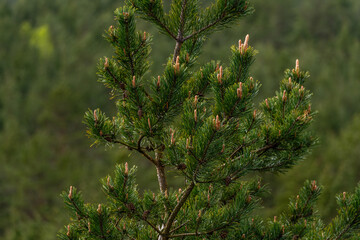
(68, 231)
(246, 43)
(158, 82)
(219, 76)
(267, 103)
(106, 64)
(297, 66)
(89, 227)
(70, 192)
(239, 90)
(126, 171)
(254, 114)
(144, 37)
(95, 116)
(217, 123)
(177, 64)
(284, 96)
(244, 47)
(313, 186)
(196, 100)
(99, 209)
(133, 82)
(149, 123)
(195, 115)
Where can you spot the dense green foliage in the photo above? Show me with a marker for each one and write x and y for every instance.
(49, 50)
(201, 122)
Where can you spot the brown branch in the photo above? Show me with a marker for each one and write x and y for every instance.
(179, 37)
(176, 210)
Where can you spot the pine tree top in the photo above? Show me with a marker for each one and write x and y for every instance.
(200, 121)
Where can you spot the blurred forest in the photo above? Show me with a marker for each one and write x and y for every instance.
(48, 56)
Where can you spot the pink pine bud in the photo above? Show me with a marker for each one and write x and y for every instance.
(70, 192)
(267, 103)
(166, 194)
(344, 196)
(89, 227)
(158, 82)
(313, 186)
(196, 100)
(95, 116)
(126, 172)
(187, 143)
(297, 66)
(219, 76)
(99, 209)
(133, 82)
(290, 80)
(149, 123)
(177, 64)
(240, 46)
(223, 148)
(195, 115)
(246, 43)
(217, 123)
(239, 90)
(106, 64)
(284, 96)
(68, 231)
(251, 82)
(254, 114)
(275, 218)
(108, 181)
(144, 37)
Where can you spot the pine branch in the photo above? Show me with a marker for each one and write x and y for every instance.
(175, 211)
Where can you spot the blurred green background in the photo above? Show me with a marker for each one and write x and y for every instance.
(48, 56)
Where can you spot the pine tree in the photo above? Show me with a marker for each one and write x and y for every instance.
(204, 125)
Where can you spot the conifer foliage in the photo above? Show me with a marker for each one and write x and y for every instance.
(201, 122)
